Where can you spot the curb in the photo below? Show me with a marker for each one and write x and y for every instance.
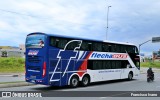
(18, 84)
(13, 75)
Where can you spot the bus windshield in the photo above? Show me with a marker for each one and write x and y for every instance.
(35, 41)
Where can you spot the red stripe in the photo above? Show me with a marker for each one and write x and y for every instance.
(84, 65)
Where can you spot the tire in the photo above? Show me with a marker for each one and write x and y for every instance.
(130, 76)
(148, 79)
(74, 82)
(85, 81)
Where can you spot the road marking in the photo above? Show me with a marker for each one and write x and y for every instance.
(102, 97)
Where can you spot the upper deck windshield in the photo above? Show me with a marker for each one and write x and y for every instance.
(35, 41)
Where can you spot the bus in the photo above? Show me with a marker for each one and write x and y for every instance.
(57, 60)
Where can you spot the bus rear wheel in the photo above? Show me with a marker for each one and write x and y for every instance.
(85, 81)
(74, 82)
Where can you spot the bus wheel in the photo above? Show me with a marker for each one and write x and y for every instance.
(85, 80)
(74, 82)
(130, 76)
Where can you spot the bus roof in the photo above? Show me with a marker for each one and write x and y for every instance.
(65, 36)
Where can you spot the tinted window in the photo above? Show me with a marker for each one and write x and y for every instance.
(105, 47)
(72, 45)
(97, 46)
(84, 46)
(53, 41)
(107, 64)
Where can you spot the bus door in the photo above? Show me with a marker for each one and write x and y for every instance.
(126, 67)
(137, 67)
(134, 62)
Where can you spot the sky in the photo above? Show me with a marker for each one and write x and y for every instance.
(133, 21)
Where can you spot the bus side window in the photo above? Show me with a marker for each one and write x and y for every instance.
(124, 64)
(84, 46)
(130, 49)
(118, 64)
(113, 64)
(105, 48)
(54, 41)
(62, 43)
(106, 64)
(123, 49)
(136, 50)
(72, 45)
(110, 48)
(97, 46)
(90, 64)
(118, 48)
(90, 46)
(113, 48)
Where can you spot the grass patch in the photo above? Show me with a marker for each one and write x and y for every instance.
(12, 64)
(150, 64)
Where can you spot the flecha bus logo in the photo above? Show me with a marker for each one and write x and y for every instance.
(109, 56)
(62, 54)
(120, 56)
(33, 52)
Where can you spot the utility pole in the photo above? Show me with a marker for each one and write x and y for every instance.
(107, 20)
(142, 44)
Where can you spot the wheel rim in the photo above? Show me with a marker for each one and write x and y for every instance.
(130, 76)
(74, 82)
(85, 80)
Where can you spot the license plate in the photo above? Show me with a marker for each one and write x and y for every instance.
(33, 77)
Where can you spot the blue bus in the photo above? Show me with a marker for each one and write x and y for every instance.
(58, 60)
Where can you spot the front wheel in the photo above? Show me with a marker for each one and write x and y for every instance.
(130, 76)
(74, 82)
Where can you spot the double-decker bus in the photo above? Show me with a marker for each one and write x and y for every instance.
(62, 60)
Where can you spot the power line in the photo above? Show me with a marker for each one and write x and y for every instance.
(39, 18)
(16, 13)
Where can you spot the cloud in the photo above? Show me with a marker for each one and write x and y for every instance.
(134, 22)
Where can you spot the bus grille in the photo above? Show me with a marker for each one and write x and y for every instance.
(34, 59)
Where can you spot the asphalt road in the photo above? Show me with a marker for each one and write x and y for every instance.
(139, 84)
(9, 78)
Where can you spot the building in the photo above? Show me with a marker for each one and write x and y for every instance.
(142, 57)
(9, 51)
(22, 47)
(156, 55)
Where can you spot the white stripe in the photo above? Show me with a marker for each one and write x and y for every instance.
(33, 70)
(67, 72)
(53, 72)
(84, 54)
(80, 54)
(54, 80)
